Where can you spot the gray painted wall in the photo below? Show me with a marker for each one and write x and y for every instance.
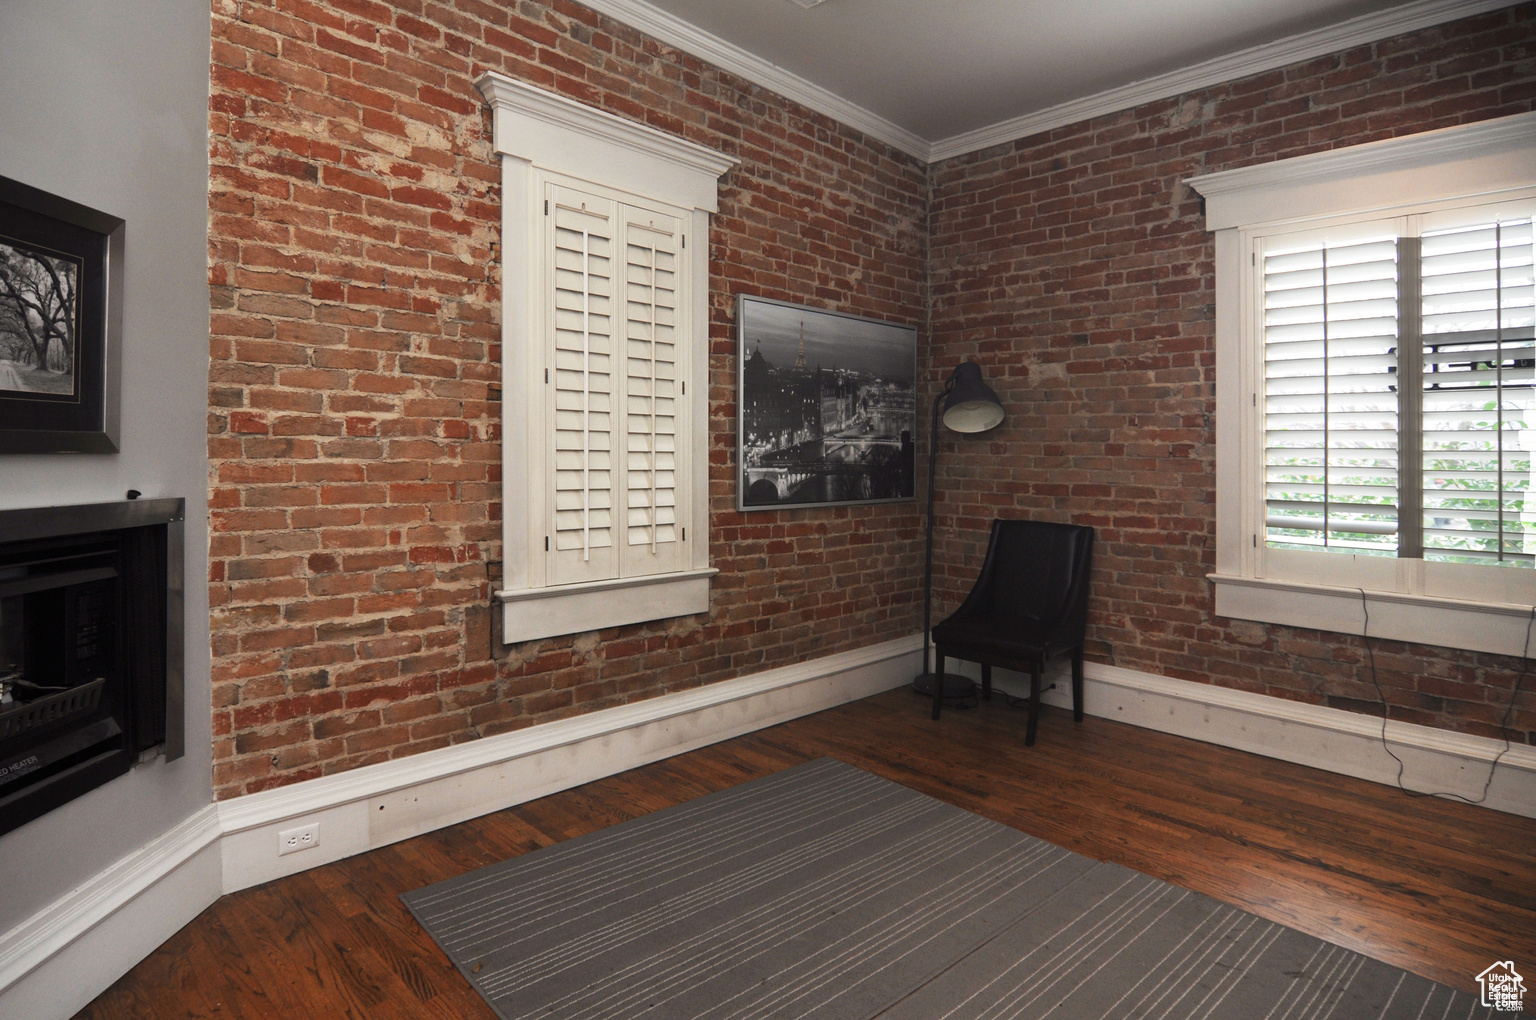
(107, 104)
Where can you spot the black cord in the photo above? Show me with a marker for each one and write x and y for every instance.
(1022, 703)
(29, 685)
(1514, 696)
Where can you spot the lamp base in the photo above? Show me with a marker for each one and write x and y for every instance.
(955, 686)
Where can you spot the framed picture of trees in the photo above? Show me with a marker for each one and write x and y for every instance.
(60, 298)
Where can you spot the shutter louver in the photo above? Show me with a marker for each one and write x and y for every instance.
(651, 383)
(615, 393)
(1479, 310)
(1330, 400)
(583, 387)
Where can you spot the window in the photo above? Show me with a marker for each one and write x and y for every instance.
(1397, 388)
(611, 444)
(604, 366)
(1376, 373)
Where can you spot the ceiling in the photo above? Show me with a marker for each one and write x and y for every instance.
(935, 78)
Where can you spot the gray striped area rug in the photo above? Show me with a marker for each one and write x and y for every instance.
(824, 891)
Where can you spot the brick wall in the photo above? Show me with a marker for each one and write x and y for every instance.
(1077, 267)
(353, 416)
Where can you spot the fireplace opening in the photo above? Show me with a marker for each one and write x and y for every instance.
(90, 648)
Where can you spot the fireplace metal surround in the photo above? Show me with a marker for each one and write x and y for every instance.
(91, 639)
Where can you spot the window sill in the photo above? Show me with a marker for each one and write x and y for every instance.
(532, 613)
(1496, 627)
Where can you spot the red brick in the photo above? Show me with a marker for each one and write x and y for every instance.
(366, 214)
(1115, 435)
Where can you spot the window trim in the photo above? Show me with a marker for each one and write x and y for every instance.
(535, 130)
(1474, 163)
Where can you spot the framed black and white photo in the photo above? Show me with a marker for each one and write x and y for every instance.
(60, 294)
(827, 407)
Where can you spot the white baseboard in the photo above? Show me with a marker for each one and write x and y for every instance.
(55, 962)
(380, 804)
(1346, 743)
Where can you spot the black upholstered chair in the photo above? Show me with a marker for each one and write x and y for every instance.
(1029, 604)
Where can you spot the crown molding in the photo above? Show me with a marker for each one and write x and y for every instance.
(1368, 28)
(674, 31)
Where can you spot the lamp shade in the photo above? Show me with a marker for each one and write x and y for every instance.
(970, 405)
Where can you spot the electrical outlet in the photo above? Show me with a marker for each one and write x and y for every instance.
(304, 837)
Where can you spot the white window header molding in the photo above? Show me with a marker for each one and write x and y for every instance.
(1486, 157)
(571, 138)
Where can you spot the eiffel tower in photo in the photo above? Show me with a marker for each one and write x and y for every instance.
(800, 357)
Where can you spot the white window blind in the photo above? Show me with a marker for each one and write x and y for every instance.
(1330, 399)
(1398, 381)
(651, 381)
(582, 230)
(615, 389)
(1479, 302)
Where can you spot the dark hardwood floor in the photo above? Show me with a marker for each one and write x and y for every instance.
(1439, 888)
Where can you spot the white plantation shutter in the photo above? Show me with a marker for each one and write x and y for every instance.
(615, 389)
(1479, 309)
(1330, 398)
(651, 384)
(582, 231)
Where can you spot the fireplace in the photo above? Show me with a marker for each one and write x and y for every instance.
(90, 648)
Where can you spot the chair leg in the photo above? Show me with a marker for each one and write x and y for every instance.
(986, 681)
(1034, 705)
(938, 682)
(1077, 684)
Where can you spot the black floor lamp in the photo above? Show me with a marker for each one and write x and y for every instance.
(967, 404)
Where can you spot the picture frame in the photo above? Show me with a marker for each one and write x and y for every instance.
(61, 285)
(826, 407)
